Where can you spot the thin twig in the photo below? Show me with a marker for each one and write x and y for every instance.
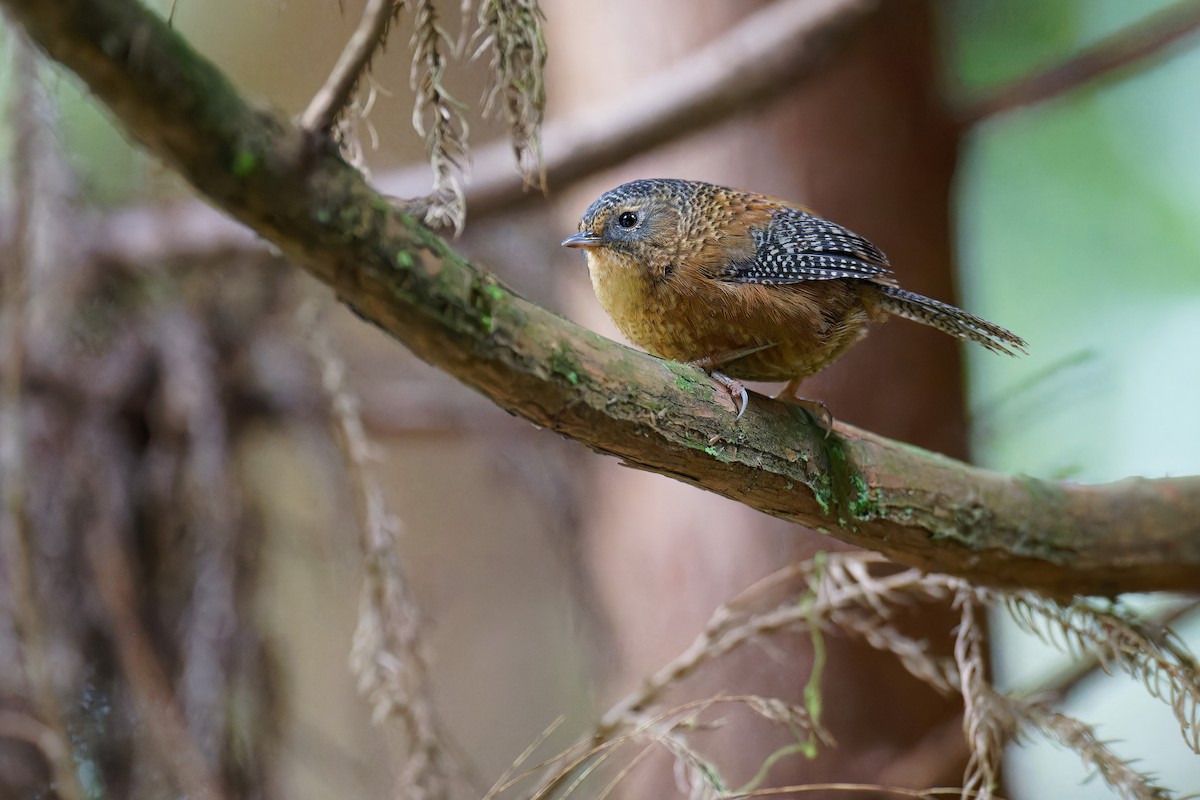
(1144, 42)
(339, 88)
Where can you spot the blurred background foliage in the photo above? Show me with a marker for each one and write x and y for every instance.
(1077, 227)
(1078, 222)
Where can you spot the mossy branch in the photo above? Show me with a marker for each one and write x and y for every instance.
(916, 507)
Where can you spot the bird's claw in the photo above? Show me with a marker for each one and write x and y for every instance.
(744, 397)
(817, 411)
(815, 408)
(824, 419)
(737, 391)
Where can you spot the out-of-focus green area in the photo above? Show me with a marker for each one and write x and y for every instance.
(1079, 223)
(1078, 228)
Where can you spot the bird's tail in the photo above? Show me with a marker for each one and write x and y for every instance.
(949, 319)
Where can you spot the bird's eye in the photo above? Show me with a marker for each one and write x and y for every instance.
(628, 219)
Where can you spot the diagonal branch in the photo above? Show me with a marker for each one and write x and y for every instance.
(913, 506)
(1141, 42)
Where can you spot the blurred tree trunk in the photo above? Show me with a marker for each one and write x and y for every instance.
(866, 144)
(129, 558)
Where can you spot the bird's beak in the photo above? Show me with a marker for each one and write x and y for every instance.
(584, 240)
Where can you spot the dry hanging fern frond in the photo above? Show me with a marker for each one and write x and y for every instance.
(834, 582)
(861, 604)
(696, 777)
(355, 121)
(1167, 670)
(512, 31)
(386, 653)
(878, 632)
(856, 594)
(985, 723)
(438, 117)
(846, 579)
(560, 775)
(1081, 739)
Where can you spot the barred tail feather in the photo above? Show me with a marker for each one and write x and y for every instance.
(949, 319)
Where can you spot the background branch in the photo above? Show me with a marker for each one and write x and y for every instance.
(1137, 44)
(768, 53)
(913, 506)
(572, 144)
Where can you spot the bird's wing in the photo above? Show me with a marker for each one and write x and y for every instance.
(797, 246)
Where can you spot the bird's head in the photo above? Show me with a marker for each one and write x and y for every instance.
(642, 223)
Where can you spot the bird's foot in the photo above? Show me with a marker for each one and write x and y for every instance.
(736, 390)
(711, 364)
(815, 408)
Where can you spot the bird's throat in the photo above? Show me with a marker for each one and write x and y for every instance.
(624, 289)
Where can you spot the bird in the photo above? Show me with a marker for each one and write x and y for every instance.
(747, 286)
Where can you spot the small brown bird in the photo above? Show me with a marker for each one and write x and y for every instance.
(746, 286)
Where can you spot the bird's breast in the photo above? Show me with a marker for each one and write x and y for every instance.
(686, 316)
(633, 299)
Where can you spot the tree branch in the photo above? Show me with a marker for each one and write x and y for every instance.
(1139, 42)
(333, 96)
(915, 507)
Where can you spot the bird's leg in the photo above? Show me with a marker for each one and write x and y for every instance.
(710, 363)
(788, 392)
(736, 390)
(815, 408)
